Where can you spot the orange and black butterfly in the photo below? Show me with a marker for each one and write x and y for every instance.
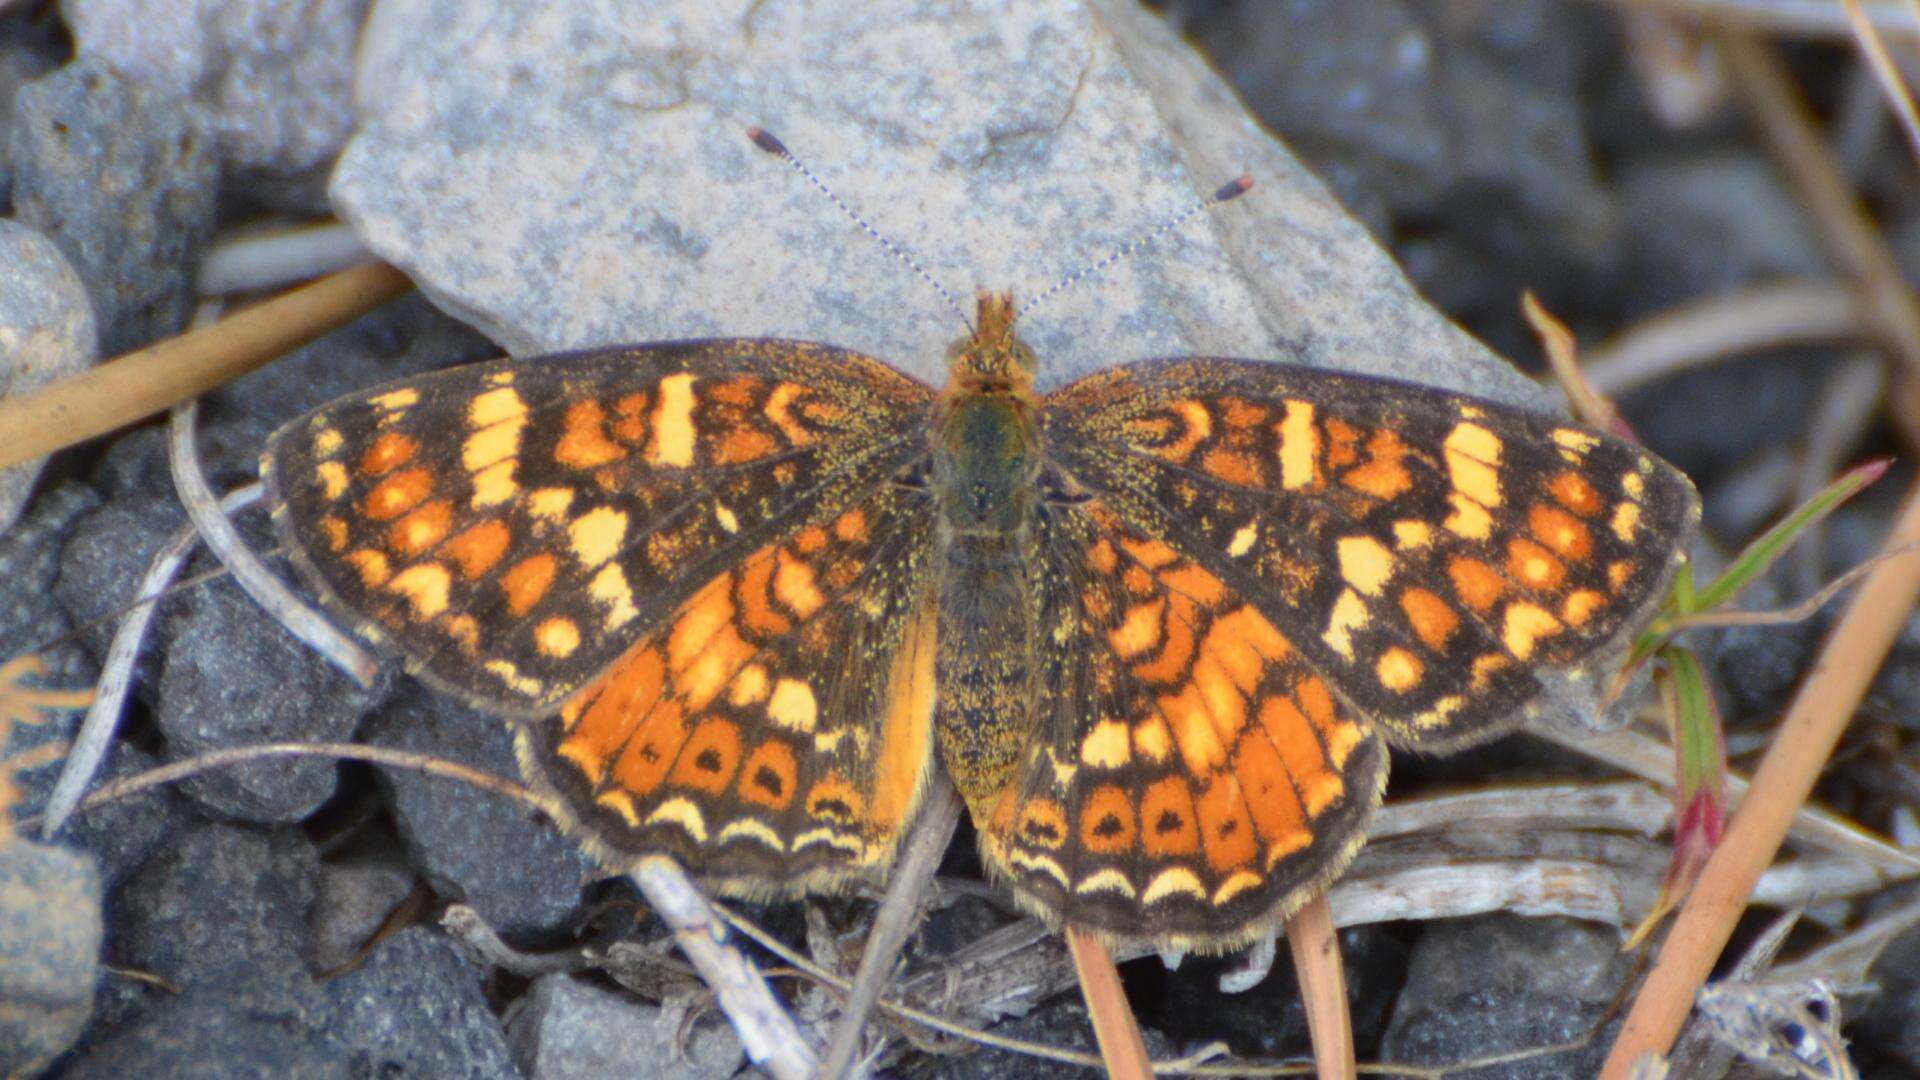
(1159, 626)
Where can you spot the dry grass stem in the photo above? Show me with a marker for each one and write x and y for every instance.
(899, 911)
(1122, 1049)
(766, 1031)
(223, 540)
(1812, 726)
(1791, 18)
(160, 376)
(1323, 988)
(1652, 759)
(95, 736)
(1884, 70)
(1707, 331)
(1850, 396)
(1798, 147)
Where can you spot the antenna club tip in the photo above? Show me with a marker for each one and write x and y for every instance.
(765, 140)
(1233, 189)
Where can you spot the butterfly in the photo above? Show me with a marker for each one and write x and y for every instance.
(744, 600)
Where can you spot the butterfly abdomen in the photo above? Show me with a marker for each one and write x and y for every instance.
(986, 455)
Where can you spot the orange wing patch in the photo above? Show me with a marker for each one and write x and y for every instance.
(708, 740)
(1211, 781)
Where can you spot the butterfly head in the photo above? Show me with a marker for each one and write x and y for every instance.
(993, 359)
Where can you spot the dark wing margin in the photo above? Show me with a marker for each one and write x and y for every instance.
(1451, 566)
(510, 528)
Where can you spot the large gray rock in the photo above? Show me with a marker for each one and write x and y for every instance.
(569, 174)
(46, 334)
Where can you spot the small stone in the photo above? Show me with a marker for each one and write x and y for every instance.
(236, 1022)
(50, 931)
(104, 558)
(31, 617)
(356, 896)
(232, 677)
(565, 1027)
(270, 79)
(215, 897)
(29, 48)
(123, 180)
(417, 1008)
(46, 334)
(1487, 985)
(513, 866)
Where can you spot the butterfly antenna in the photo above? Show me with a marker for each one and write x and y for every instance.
(1226, 192)
(766, 140)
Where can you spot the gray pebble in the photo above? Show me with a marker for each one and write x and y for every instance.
(1006, 149)
(238, 1022)
(1487, 985)
(46, 334)
(216, 897)
(123, 180)
(417, 1008)
(567, 1028)
(231, 677)
(50, 931)
(514, 867)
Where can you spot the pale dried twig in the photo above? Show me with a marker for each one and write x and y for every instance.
(95, 735)
(1706, 331)
(932, 830)
(249, 573)
(766, 1031)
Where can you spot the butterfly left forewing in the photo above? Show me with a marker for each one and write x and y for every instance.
(510, 527)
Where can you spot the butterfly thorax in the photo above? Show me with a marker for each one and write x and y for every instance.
(986, 456)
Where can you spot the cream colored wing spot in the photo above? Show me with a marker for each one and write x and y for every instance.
(617, 801)
(426, 587)
(333, 479)
(672, 443)
(751, 829)
(1365, 563)
(1243, 539)
(596, 536)
(1108, 880)
(550, 504)
(1038, 864)
(681, 811)
(557, 637)
(1349, 614)
(793, 706)
(1177, 881)
(1239, 882)
(831, 838)
(327, 442)
(1299, 446)
(1107, 746)
(610, 588)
